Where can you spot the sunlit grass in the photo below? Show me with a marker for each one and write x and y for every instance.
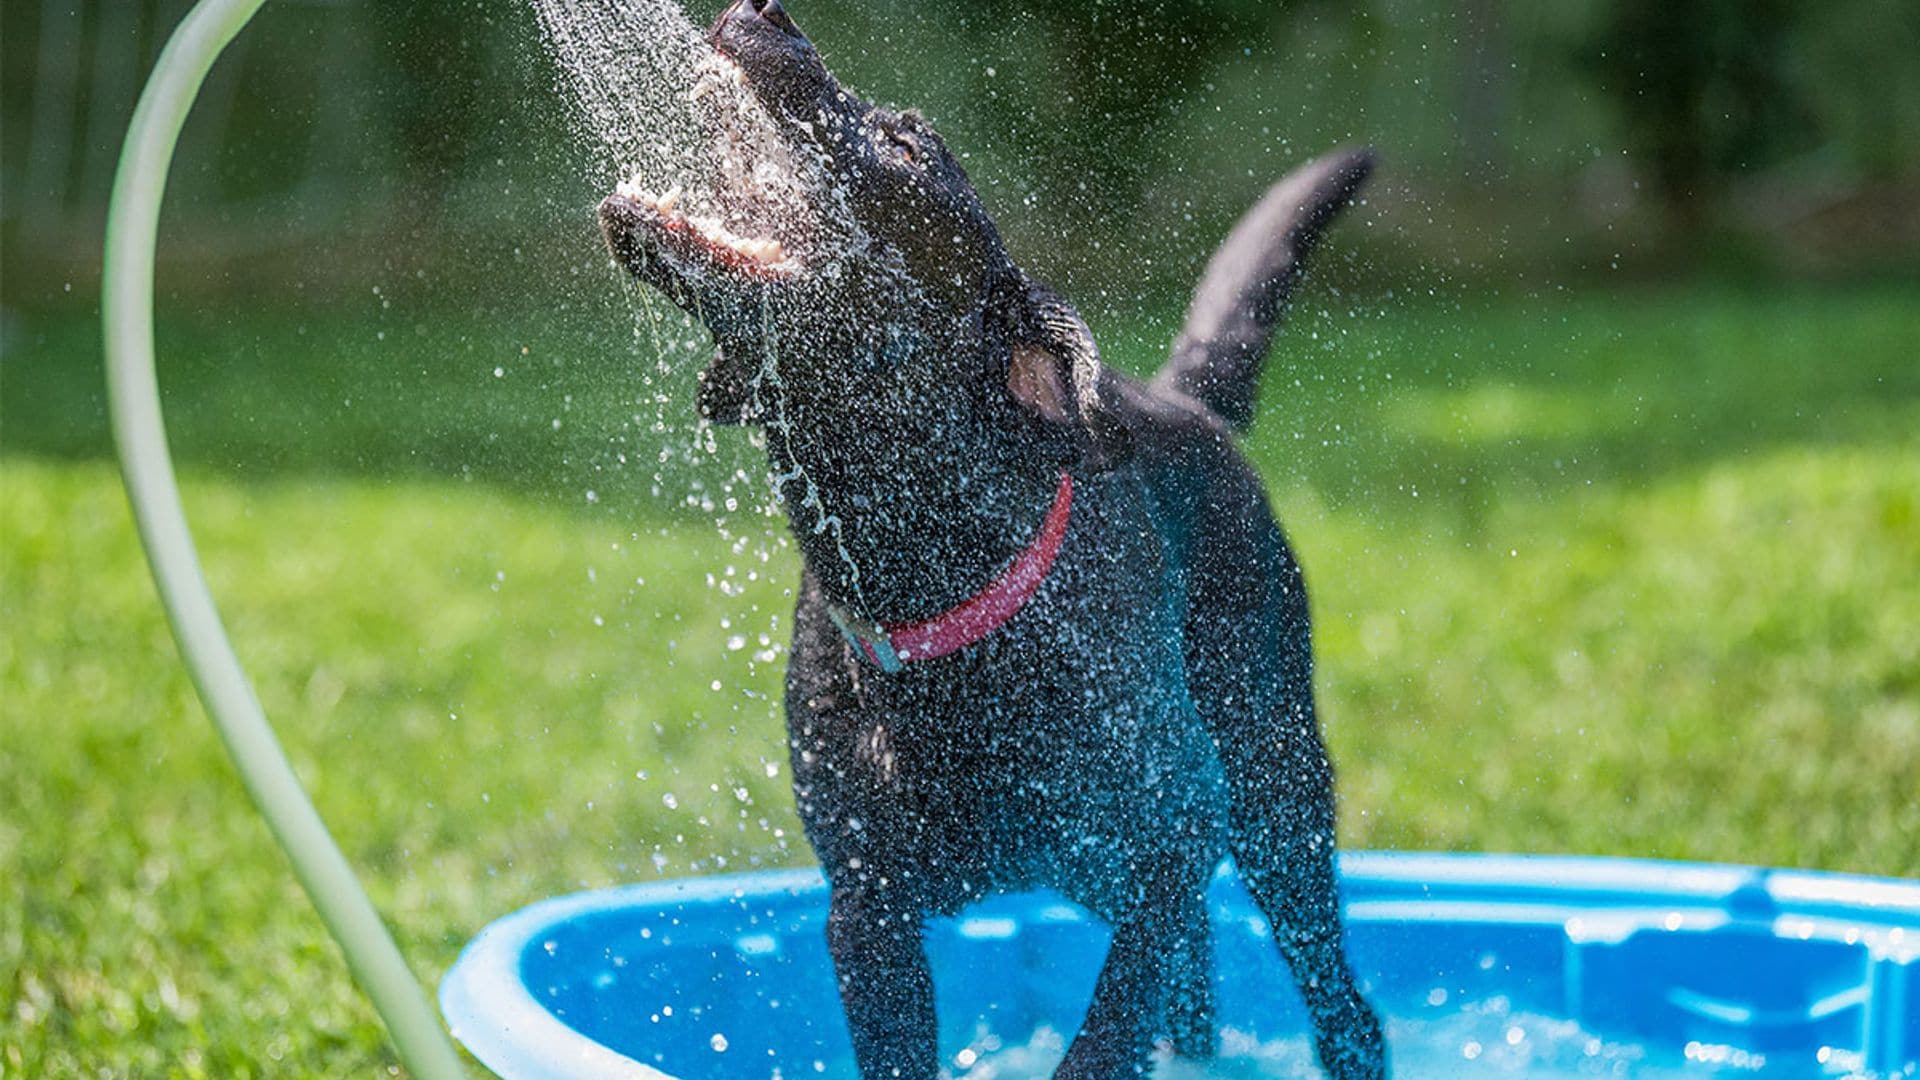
(1722, 665)
(1631, 576)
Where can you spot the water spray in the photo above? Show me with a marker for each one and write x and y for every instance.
(140, 434)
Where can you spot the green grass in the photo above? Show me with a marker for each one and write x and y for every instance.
(1631, 574)
(471, 688)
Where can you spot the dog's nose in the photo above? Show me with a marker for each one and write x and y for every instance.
(771, 11)
(744, 13)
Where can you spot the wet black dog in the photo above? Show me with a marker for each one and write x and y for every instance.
(1049, 633)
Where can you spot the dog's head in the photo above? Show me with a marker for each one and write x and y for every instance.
(851, 247)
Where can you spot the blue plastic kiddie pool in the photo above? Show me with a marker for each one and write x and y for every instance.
(1482, 966)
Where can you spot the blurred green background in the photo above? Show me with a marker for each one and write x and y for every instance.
(1598, 432)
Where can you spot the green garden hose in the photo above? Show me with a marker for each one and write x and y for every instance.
(134, 395)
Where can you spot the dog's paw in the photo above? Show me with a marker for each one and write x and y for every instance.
(1350, 1042)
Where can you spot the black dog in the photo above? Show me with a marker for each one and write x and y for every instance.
(1049, 633)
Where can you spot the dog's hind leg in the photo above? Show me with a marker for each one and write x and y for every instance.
(1190, 1008)
(1283, 846)
(1250, 673)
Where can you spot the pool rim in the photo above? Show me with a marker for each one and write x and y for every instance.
(498, 1020)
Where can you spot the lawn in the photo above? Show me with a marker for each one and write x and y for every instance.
(1629, 574)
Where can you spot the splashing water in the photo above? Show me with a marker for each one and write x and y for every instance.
(629, 70)
(663, 111)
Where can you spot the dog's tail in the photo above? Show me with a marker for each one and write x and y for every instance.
(1242, 298)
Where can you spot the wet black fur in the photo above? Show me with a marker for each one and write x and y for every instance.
(1149, 711)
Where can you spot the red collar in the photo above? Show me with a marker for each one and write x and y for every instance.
(889, 645)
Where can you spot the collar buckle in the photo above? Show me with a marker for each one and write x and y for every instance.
(866, 637)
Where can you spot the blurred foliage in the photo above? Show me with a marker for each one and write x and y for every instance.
(1705, 90)
(1461, 403)
(1717, 90)
(1115, 141)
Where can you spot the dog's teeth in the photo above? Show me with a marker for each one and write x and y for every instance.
(670, 200)
(768, 252)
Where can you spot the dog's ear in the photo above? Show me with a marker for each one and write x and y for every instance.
(1039, 380)
(1053, 373)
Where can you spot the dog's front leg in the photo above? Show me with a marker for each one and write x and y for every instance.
(1128, 998)
(885, 984)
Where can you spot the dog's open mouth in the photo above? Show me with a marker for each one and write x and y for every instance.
(761, 254)
(746, 216)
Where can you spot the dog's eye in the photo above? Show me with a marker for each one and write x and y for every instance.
(905, 144)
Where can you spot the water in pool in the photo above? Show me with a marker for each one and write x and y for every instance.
(1482, 1039)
